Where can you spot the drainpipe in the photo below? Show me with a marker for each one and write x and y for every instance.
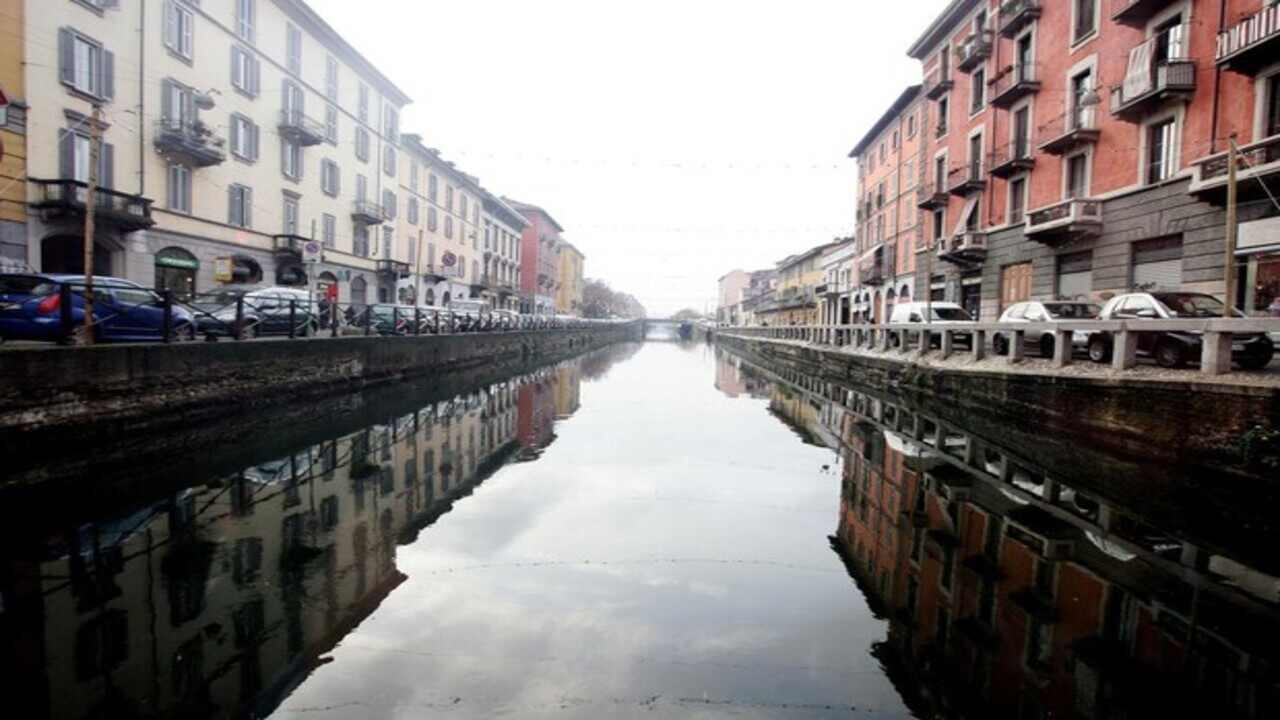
(142, 99)
(1217, 82)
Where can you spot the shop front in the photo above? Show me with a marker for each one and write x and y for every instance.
(176, 271)
(1258, 268)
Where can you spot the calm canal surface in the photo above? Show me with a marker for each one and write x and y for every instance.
(657, 530)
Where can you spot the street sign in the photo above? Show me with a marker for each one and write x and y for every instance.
(312, 251)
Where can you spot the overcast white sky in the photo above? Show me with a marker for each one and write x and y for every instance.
(675, 140)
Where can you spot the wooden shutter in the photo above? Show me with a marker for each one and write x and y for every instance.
(66, 56)
(107, 166)
(254, 131)
(66, 155)
(256, 75)
(166, 101)
(235, 137)
(248, 207)
(233, 212)
(107, 84)
(170, 25)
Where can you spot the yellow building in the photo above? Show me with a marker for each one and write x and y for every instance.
(13, 146)
(795, 302)
(569, 294)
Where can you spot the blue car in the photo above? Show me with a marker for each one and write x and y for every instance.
(123, 311)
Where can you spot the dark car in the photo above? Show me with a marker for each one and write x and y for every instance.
(263, 311)
(1172, 349)
(123, 311)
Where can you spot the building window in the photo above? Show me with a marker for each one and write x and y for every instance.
(391, 125)
(1081, 111)
(362, 188)
(448, 199)
(329, 230)
(331, 124)
(911, 126)
(944, 109)
(1273, 105)
(448, 226)
(74, 160)
(389, 204)
(291, 159)
(331, 78)
(1160, 151)
(413, 176)
(85, 66)
(180, 188)
(240, 206)
(979, 90)
(360, 240)
(293, 49)
(462, 206)
(1078, 176)
(245, 12)
(387, 241)
(362, 144)
(244, 138)
(246, 71)
(330, 178)
(1085, 20)
(413, 211)
(939, 224)
(433, 188)
(179, 29)
(432, 224)
(362, 106)
(389, 160)
(290, 215)
(1017, 199)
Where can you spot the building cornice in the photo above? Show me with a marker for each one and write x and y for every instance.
(941, 27)
(300, 11)
(903, 102)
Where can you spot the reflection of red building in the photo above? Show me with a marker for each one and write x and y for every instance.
(536, 415)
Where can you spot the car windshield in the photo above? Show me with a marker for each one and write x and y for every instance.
(25, 285)
(1072, 311)
(1191, 305)
(952, 314)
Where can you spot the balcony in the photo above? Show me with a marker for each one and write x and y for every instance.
(1012, 159)
(189, 143)
(931, 196)
(1015, 83)
(1068, 220)
(64, 200)
(368, 213)
(968, 247)
(1136, 13)
(1071, 131)
(1251, 44)
(877, 269)
(288, 244)
(434, 272)
(1169, 80)
(938, 82)
(967, 179)
(973, 51)
(392, 268)
(1014, 15)
(298, 127)
(1257, 162)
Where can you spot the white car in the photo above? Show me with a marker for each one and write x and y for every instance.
(1046, 311)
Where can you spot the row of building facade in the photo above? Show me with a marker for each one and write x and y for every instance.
(1071, 149)
(234, 133)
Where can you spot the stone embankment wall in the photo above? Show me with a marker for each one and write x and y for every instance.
(1123, 412)
(126, 389)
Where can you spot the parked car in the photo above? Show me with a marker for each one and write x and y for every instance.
(943, 314)
(123, 311)
(1172, 349)
(266, 311)
(1046, 311)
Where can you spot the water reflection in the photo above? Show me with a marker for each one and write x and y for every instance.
(219, 600)
(1010, 592)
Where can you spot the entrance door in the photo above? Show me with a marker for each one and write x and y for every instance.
(1015, 284)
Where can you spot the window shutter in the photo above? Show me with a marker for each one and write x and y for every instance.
(248, 207)
(66, 56)
(256, 74)
(188, 39)
(235, 137)
(170, 25)
(232, 210)
(66, 155)
(235, 64)
(255, 134)
(166, 100)
(107, 166)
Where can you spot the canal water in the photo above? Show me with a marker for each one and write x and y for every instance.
(656, 530)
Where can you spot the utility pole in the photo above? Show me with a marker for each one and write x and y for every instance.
(1229, 267)
(90, 203)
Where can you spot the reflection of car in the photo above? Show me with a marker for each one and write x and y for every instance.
(1045, 311)
(31, 309)
(266, 311)
(1173, 349)
(944, 314)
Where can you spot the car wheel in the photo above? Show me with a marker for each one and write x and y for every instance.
(1171, 354)
(183, 333)
(1099, 349)
(1257, 360)
(1046, 346)
(999, 345)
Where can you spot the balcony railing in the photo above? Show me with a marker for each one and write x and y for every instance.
(1251, 44)
(966, 179)
(1257, 161)
(1014, 15)
(1016, 82)
(1136, 13)
(288, 244)
(294, 125)
(1067, 220)
(1076, 128)
(1012, 159)
(879, 268)
(189, 142)
(938, 82)
(969, 246)
(369, 213)
(931, 195)
(392, 268)
(973, 50)
(1152, 86)
(65, 200)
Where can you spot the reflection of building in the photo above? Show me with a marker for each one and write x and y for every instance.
(536, 402)
(568, 390)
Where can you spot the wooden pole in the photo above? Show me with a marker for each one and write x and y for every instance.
(90, 204)
(1229, 268)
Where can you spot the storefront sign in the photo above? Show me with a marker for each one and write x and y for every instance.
(174, 262)
(222, 269)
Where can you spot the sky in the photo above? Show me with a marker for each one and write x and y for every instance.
(675, 140)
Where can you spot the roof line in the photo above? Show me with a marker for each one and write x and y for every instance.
(523, 206)
(940, 26)
(307, 14)
(907, 97)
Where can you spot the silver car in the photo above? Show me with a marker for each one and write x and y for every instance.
(1038, 311)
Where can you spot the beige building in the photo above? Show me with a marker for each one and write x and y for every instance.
(569, 291)
(13, 166)
(503, 225)
(234, 131)
(795, 302)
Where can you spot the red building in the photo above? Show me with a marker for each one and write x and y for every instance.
(540, 245)
(1076, 148)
